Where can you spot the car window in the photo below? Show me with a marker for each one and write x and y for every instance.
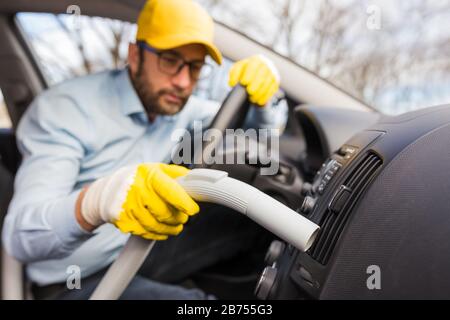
(93, 44)
(394, 55)
(5, 120)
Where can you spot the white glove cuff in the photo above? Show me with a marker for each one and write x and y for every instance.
(271, 66)
(104, 198)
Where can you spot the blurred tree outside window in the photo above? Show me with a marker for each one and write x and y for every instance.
(394, 55)
(66, 48)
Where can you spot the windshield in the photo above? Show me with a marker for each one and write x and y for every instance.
(394, 55)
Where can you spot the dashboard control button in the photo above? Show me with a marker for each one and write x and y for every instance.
(308, 204)
(275, 250)
(339, 199)
(347, 151)
(266, 282)
(305, 275)
(321, 188)
(306, 188)
(335, 167)
(327, 178)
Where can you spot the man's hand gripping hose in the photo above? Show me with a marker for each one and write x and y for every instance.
(214, 186)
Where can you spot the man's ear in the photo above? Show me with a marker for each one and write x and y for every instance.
(133, 57)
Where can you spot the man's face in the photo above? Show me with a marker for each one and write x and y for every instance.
(159, 92)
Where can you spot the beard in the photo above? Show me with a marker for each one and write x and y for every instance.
(153, 101)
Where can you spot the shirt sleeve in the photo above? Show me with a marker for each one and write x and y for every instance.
(40, 223)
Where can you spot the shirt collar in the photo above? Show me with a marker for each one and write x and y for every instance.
(129, 100)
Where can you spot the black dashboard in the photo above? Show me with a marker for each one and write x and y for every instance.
(381, 200)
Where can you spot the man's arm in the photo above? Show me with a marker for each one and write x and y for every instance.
(41, 221)
(80, 219)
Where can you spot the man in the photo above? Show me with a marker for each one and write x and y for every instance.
(93, 151)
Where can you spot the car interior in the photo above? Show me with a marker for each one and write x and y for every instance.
(374, 184)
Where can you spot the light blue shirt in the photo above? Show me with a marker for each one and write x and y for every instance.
(71, 135)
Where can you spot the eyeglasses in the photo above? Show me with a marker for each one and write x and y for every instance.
(171, 63)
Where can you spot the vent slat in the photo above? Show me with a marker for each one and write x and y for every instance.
(330, 234)
(361, 169)
(345, 214)
(326, 225)
(334, 224)
(364, 172)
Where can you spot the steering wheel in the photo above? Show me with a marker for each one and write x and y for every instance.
(286, 185)
(231, 115)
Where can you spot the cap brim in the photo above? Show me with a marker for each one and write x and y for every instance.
(173, 42)
(213, 52)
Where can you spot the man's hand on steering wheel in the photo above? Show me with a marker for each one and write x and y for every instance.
(258, 75)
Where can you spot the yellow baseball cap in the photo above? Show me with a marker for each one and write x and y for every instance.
(167, 24)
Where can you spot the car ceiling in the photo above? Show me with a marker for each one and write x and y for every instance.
(118, 9)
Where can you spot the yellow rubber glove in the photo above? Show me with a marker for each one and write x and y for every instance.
(258, 75)
(144, 200)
